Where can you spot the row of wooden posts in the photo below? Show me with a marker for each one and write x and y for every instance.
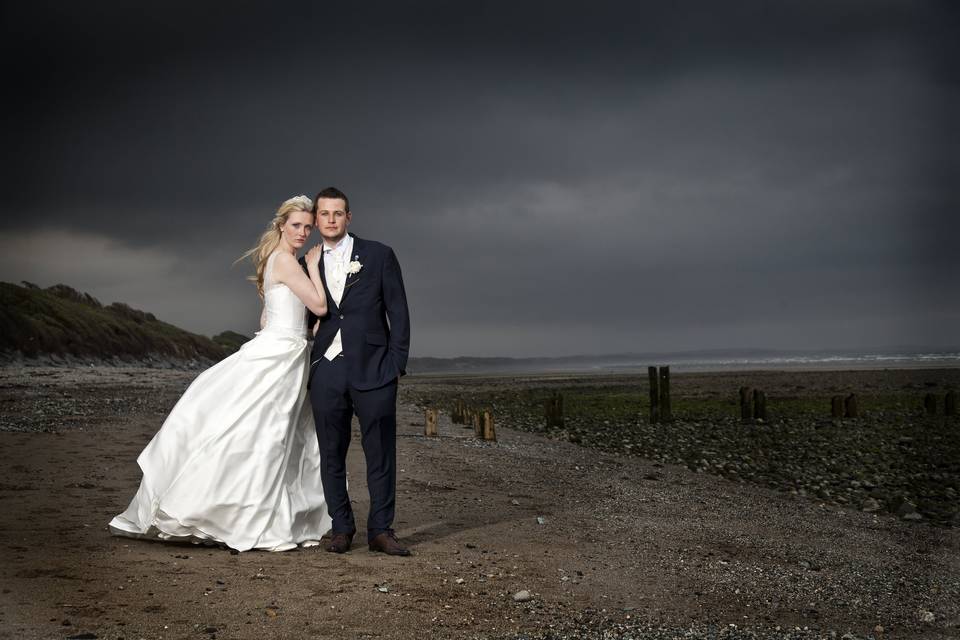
(949, 404)
(753, 402)
(482, 421)
(847, 407)
(753, 406)
(844, 407)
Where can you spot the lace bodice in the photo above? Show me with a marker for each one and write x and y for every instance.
(283, 309)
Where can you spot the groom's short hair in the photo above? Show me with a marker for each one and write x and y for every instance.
(331, 192)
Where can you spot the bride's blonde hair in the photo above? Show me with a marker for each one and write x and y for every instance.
(270, 239)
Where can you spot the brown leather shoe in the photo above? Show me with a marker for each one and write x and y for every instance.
(387, 543)
(339, 543)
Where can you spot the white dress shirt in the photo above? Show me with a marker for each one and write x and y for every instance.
(335, 262)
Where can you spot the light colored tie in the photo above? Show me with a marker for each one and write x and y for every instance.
(339, 280)
(336, 280)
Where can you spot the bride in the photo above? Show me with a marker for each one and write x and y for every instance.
(237, 461)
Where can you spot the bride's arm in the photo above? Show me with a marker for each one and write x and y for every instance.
(308, 289)
(314, 273)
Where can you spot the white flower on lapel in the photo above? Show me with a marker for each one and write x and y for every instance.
(354, 267)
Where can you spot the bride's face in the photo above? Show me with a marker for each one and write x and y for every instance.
(297, 228)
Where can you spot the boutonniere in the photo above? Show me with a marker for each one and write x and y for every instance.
(354, 267)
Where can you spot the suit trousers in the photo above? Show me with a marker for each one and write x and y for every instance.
(334, 403)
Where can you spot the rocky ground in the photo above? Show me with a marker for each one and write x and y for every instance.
(892, 457)
(528, 537)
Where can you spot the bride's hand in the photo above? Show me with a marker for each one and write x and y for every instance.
(313, 256)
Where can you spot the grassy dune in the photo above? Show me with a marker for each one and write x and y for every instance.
(60, 320)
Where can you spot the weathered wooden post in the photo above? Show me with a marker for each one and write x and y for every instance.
(950, 403)
(477, 424)
(850, 406)
(665, 413)
(430, 428)
(759, 405)
(488, 431)
(654, 394)
(836, 407)
(553, 410)
(746, 404)
(456, 415)
(930, 404)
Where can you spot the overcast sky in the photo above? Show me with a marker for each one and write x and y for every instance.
(555, 178)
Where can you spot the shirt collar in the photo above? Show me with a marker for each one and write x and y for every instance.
(341, 246)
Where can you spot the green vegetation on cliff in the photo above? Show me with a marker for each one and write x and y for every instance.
(60, 320)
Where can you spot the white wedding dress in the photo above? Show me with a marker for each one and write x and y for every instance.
(237, 460)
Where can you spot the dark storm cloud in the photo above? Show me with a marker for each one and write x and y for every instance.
(547, 174)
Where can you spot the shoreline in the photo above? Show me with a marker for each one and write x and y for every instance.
(678, 370)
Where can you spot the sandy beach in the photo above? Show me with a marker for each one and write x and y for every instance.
(606, 545)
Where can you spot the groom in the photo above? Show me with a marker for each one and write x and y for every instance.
(359, 352)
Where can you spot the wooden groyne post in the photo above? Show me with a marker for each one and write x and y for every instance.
(851, 407)
(475, 419)
(930, 404)
(459, 413)
(666, 415)
(759, 405)
(660, 410)
(489, 433)
(836, 407)
(553, 410)
(430, 424)
(746, 404)
(654, 394)
(753, 404)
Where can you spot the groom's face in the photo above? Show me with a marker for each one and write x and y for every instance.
(332, 218)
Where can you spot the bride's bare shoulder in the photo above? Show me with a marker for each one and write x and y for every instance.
(284, 264)
(284, 259)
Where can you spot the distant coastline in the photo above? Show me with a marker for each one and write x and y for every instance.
(60, 326)
(699, 361)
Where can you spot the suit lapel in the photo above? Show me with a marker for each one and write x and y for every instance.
(357, 255)
(323, 278)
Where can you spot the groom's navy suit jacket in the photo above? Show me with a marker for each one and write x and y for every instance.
(372, 316)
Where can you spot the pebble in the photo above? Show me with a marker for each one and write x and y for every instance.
(522, 596)
(906, 508)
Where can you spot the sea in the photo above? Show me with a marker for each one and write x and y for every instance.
(698, 361)
(732, 361)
